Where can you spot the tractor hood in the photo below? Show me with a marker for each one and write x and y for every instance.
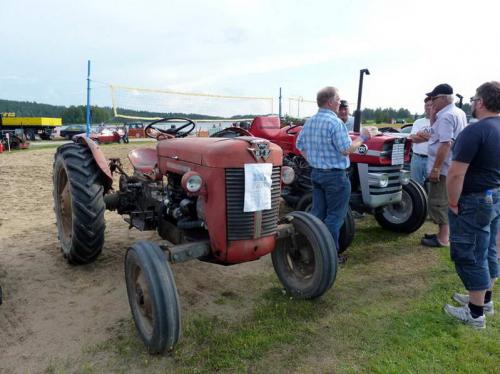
(221, 152)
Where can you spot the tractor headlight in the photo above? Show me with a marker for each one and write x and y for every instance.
(405, 177)
(287, 175)
(378, 179)
(192, 182)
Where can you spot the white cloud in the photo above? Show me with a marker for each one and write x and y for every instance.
(248, 47)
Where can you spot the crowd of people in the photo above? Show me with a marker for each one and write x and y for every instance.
(458, 162)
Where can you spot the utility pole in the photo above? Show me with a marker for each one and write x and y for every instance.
(279, 110)
(88, 100)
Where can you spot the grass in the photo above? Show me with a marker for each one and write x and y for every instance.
(383, 315)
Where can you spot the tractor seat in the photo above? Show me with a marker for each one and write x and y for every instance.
(144, 160)
(265, 127)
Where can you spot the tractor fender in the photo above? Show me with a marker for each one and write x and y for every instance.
(99, 158)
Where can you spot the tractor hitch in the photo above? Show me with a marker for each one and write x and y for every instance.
(185, 252)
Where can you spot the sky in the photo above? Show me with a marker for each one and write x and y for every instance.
(247, 48)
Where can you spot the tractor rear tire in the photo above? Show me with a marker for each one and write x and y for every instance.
(152, 296)
(346, 233)
(306, 262)
(408, 215)
(78, 203)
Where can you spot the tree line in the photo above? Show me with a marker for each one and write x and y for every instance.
(77, 114)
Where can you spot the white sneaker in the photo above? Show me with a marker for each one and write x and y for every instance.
(462, 313)
(463, 299)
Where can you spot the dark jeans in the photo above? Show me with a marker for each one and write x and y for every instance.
(473, 240)
(330, 198)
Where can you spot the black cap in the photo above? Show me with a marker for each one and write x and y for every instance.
(343, 104)
(441, 89)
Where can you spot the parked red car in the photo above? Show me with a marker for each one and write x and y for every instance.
(107, 135)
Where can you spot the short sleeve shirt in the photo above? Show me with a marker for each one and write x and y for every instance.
(479, 146)
(349, 124)
(450, 121)
(323, 138)
(418, 125)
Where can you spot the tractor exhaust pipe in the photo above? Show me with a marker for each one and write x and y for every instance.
(357, 115)
(460, 100)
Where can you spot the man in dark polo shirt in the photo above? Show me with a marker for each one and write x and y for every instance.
(474, 207)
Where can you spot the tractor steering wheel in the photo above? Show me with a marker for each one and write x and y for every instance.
(155, 132)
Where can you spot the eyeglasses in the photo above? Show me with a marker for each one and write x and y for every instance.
(474, 98)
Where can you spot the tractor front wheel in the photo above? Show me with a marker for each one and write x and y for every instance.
(306, 261)
(78, 203)
(152, 296)
(346, 232)
(408, 215)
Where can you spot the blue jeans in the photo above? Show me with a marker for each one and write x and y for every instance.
(418, 169)
(473, 240)
(330, 198)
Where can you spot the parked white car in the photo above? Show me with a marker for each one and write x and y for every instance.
(56, 133)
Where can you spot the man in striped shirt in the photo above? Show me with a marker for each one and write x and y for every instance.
(325, 144)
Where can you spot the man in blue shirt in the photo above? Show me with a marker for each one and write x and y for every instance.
(325, 144)
(474, 207)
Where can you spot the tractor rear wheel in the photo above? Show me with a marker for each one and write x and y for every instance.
(78, 203)
(152, 296)
(306, 262)
(408, 215)
(346, 233)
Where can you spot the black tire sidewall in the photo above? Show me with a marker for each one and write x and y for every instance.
(325, 258)
(347, 230)
(163, 293)
(87, 203)
(419, 211)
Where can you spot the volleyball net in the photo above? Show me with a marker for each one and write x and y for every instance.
(151, 104)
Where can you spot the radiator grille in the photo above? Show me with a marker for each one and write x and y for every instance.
(250, 225)
(394, 185)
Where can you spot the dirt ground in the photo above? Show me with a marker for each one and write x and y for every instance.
(51, 309)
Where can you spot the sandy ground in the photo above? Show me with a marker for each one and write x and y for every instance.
(51, 309)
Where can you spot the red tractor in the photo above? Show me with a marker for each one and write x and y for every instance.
(212, 199)
(380, 185)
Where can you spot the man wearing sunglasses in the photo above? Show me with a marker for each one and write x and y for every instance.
(345, 116)
(474, 207)
(447, 122)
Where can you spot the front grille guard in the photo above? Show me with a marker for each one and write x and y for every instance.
(249, 225)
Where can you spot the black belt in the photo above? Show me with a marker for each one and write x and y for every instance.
(482, 193)
(418, 154)
(332, 169)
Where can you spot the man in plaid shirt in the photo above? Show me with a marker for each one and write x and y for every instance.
(325, 144)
